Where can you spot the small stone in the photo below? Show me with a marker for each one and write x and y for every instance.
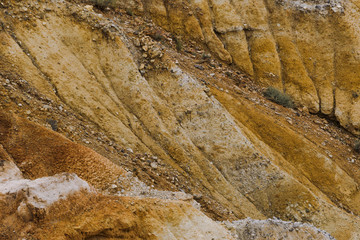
(24, 9)
(155, 52)
(208, 92)
(46, 107)
(89, 8)
(206, 55)
(154, 165)
(318, 122)
(199, 67)
(197, 196)
(289, 120)
(305, 110)
(137, 42)
(24, 212)
(53, 123)
(142, 66)
(130, 150)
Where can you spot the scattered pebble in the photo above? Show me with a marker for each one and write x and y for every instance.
(154, 165)
(199, 67)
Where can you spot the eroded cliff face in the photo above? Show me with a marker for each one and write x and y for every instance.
(56, 204)
(64, 206)
(308, 49)
(239, 155)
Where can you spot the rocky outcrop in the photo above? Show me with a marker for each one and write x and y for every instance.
(63, 206)
(307, 49)
(217, 140)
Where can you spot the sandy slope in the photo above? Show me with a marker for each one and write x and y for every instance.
(239, 155)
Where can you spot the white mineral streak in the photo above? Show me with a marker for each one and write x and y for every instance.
(41, 192)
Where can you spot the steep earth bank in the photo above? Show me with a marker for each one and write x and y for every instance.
(63, 206)
(309, 49)
(163, 114)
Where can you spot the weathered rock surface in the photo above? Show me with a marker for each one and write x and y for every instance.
(307, 49)
(63, 206)
(252, 164)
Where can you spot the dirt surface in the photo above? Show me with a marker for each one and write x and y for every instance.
(157, 134)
